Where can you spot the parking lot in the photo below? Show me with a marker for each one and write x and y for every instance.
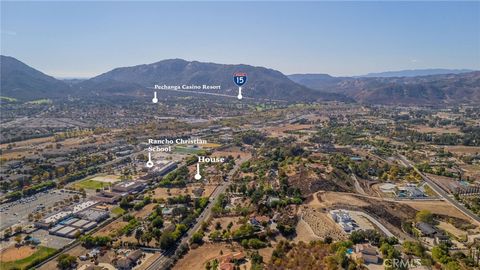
(49, 240)
(16, 213)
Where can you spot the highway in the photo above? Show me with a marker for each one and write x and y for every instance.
(441, 192)
(160, 262)
(213, 94)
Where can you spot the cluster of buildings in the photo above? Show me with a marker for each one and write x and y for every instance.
(128, 260)
(78, 219)
(366, 252)
(407, 191)
(343, 219)
(431, 234)
(227, 261)
(259, 221)
(161, 168)
(223, 134)
(119, 190)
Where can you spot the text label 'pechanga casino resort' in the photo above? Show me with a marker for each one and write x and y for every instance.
(188, 87)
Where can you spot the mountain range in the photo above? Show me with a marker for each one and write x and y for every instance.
(262, 82)
(17, 80)
(22, 82)
(428, 90)
(416, 72)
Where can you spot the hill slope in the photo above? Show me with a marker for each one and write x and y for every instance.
(416, 72)
(262, 82)
(432, 90)
(17, 80)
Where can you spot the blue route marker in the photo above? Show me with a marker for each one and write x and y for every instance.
(240, 78)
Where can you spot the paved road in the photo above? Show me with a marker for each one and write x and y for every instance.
(358, 187)
(441, 192)
(376, 222)
(161, 261)
(206, 213)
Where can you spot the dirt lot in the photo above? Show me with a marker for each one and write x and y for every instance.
(305, 232)
(28, 148)
(197, 258)
(327, 199)
(320, 224)
(436, 207)
(17, 154)
(224, 221)
(145, 211)
(172, 192)
(471, 170)
(13, 253)
(106, 178)
(232, 151)
(111, 228)
(25, 143)
(280, 130)
(362, 221)
(459, 150)
(439, 130)
(451, 229)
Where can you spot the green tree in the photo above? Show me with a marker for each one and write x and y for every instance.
(138, 234)
(166, 240)
(424, 216)
(66, 261)
(197, 237)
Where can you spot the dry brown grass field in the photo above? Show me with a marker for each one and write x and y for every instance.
(13, 253)
(436, 207)
(438, 130)
(196, 258)
(460, 149)
(164, 193)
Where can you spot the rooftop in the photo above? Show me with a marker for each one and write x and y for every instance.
(82, 206)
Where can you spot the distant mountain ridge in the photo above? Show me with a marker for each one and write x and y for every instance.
(429, 90)
(262, 82)
(416, 72)
(20, 81)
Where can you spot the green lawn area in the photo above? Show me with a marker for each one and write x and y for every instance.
(91, 184)
(40, 101)
(41, 254)
(9, 99)
(187, 150)
(117, 211)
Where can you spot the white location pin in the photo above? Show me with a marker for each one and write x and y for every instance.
(239, 93)
(149, 162)
(197, 175)
(155, 99)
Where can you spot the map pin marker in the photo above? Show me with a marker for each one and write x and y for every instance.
(149, 162)
(155, 99)
(197, 175)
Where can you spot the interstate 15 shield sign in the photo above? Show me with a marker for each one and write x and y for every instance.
(239, 78)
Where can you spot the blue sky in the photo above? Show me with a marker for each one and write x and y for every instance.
(74, 39)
